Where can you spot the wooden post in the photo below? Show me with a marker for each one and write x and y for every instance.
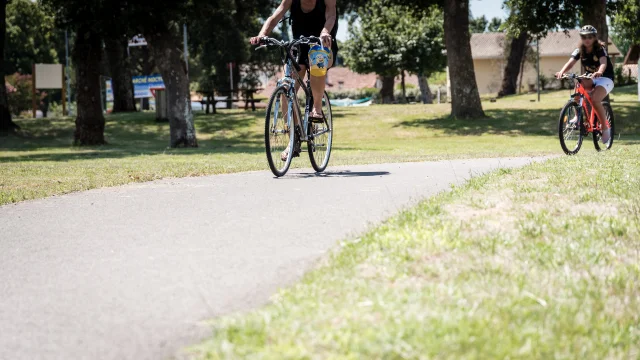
(33, 90)
(64, 94)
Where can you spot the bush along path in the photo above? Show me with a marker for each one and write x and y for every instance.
(540, 262)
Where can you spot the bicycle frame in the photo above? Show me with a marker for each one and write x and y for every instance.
(592, 125)
(290, 79)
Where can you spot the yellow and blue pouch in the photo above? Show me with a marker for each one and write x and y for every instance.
(319, 60)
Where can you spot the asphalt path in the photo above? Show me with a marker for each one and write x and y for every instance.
(133, 272)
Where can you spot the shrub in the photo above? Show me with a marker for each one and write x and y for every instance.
(355, 94)
(19, 93)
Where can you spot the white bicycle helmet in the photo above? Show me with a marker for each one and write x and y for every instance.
(588, 30)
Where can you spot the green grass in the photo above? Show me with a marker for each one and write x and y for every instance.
(41, 162)
(541, 262)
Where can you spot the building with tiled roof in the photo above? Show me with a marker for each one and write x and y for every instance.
(489, 58)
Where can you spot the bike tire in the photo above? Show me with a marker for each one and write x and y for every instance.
(273, 145)
(610, 118)
(565, 115)
(320, 164)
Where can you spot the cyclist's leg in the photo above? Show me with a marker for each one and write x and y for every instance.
(597, 95)
(318, 84)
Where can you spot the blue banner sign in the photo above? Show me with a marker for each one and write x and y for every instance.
(142, 86)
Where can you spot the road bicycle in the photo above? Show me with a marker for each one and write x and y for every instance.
(284, 131)
(572, 127)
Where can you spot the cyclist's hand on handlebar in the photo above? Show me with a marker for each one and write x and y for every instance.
(559, 75)
(326, 39)
(256, 40)
(596, 75)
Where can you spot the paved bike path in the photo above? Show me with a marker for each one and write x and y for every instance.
(131, 272)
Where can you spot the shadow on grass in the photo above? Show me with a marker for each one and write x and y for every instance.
(129, 135)
(520, 122)
(512, 122)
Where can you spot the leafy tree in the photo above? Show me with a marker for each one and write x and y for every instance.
(116, 41)
(31, 37)
(594, 12)
(529, 19)
(6, 123)
(87, 19)
(161, 22)
(465, 98)
(495, 25)
(478, 25)
(626, 25)
(119, 65)
(391, 39)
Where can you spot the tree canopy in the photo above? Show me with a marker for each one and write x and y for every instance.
(391, 38)
(626, 22)
(31, 37)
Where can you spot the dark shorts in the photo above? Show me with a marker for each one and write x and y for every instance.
(303, 57)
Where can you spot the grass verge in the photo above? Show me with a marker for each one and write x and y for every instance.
(40, 162)
(540, 262)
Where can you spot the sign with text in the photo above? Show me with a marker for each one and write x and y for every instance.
(142, 86)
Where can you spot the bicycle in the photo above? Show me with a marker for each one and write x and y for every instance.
(572, 128)
(283, 129)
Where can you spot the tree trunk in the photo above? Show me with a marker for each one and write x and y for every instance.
(404, 87)
(386, 92)
(6, 123)
(594, 12)
(120, 69)
(87, 54)
(517, 50)
(427, 97)
(465, 98)
(166, 50)
(522, 63)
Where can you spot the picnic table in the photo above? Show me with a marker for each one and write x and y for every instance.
(233, 96)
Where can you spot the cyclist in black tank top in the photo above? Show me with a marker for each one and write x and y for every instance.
(308, 18)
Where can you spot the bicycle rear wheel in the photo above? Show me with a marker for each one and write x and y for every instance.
(597, 136)
(570, 128)
(278, 133)
(321, 138)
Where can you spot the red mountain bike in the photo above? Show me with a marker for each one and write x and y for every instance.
(572, 128)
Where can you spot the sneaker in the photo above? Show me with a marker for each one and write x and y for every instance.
(606, 136)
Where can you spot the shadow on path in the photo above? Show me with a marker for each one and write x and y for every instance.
(338, 174)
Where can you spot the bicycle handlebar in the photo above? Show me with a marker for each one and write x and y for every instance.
(287, 45)
(575, 76)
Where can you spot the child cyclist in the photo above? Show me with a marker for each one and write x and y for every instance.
(597, 64)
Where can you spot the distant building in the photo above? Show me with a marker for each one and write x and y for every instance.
(489, 58)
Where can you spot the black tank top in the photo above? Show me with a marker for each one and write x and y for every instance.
(311, 23)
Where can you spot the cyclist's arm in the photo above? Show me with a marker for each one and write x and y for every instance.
(603, 65)
(602, 55)
(274, 19)
(568, 66)
(330, 16)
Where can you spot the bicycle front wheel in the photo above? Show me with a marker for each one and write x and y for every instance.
(321, 137)
(279, 133)
(598, 136)
(570, 128)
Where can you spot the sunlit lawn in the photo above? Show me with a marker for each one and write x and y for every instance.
(41, 162)
(540, 262)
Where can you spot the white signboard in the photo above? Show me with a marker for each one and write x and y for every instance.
(49, 76)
